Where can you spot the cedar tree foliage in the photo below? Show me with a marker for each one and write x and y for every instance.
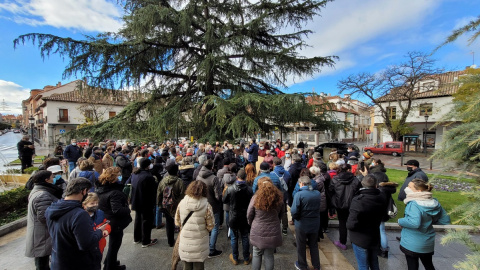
(212, 67)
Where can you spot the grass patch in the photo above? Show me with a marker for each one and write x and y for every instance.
(37, 159)
(447, 199)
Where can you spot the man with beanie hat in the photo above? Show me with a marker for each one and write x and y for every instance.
(265, 172)
(414, 171)
(143, 203)
(170, 191)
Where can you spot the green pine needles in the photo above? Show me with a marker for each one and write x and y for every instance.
(190, 58)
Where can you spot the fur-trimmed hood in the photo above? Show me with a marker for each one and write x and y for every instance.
(388, 184)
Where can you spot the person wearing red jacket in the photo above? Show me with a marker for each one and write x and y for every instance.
(90, 204)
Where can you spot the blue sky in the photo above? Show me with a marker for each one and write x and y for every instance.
(366, 35)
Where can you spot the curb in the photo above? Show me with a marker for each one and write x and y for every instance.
(392, 226)
(13, 226)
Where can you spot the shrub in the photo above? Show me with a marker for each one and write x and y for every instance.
(30, 170)
(14, 199)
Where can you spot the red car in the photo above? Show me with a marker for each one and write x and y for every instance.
(388, 148)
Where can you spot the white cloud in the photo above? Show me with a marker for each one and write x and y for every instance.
(88, 15)
(12, 94)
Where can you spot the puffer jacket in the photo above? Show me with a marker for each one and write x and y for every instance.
(194, 237)
(114, 203)
(238, 197)
(342, 188)
(228, 180)
(265, 226)
(39, 242)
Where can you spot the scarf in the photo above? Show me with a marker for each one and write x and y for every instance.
(418, 196)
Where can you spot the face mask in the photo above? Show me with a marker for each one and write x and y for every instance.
(300, 152)
(287, 155)
(150, 167)
(74, 143)
(92, 209)
(119, 178)
(283, 149)
(408, 190)
(84, 196)
(373, 164)
(56, 178)
(409, 169)
(349, 150)
(261, 147)
(238, 147)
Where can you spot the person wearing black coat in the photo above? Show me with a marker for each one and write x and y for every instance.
(123, 161)
(342, 189)
(143, 203)
(238, 197)
(294, 172)
(26, 150)
(366, 212)
(114, 203)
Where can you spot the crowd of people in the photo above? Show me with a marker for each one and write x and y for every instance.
(194, 190)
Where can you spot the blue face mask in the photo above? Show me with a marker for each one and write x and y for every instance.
(56, 178)
(119, 178)
(287, 155)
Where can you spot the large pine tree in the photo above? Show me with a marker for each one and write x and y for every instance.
(188, 56)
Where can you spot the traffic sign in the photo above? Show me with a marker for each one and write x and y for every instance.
(368, 131)
(167, 132)
(62, 131)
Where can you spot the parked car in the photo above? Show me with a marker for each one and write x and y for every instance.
(83, 143)
(388, 148)
(340, 146)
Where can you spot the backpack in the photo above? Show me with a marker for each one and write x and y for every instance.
(282, 182)
(392, 210)
(169, 202)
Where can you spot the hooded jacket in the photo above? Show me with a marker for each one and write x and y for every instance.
(272, 176)
(74, 242)
(417, 173)
(418, 234)
(194, 236)
(214, 188)
(114, 203)
(228, 179)
(177, 188)
(305, 210)
(186, 173)
(342, 189)
(39, 242)
(125, 165)
(238, 197)
(366, 212)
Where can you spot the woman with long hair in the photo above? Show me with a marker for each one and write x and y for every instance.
(264, 215)
(251, 174)
(194, 216)
(114, 203)
(418, 235)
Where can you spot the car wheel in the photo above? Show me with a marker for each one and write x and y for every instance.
(394, 154)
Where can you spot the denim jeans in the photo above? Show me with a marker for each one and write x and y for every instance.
(214, 232)
(71, 166)
(366, 258)
(227, 215)
(245, 243)
(158, 216)
(383, 237)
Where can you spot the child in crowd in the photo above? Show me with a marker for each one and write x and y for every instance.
(90, 204)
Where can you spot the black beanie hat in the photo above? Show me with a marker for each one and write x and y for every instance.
(144, 163)
(171, 167)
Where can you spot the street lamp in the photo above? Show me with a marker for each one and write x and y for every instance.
(31, 120)
(425, 135)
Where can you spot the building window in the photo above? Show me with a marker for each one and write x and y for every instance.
(89, 115)
(111, 114)
(426, 109)
(63, 115)
(392, 113)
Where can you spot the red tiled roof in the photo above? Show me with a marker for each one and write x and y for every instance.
(119, 98)
(446, 88)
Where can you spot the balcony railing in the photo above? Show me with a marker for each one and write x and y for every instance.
(40, 121)
(65, 119)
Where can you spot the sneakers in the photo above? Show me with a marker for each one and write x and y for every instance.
(297, 266)
(284, 232)
(247, 262)
(215, 253)
(137, 242)
(153, 242)
(235, 262)
(340, 245)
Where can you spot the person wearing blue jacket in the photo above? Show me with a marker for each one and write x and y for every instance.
(305, 211)
(280, 171)
(418, 235)
(252, 151)
(74, 242)
(265, 172)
